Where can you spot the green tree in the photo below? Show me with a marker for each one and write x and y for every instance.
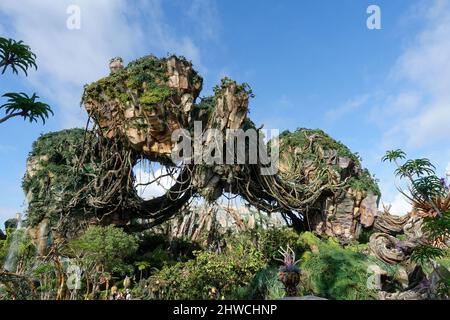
(18, 56)
(426, 191)
(100, 251)
(106, 246)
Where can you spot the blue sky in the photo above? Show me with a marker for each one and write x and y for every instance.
(310, 63)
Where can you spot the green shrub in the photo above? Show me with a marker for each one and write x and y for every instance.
(158, 250)
(107, 247)
(333, 272)
(210, 275)
(265, 285)
(269, 241)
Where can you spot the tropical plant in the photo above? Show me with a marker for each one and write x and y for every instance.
(266, 285)
(20, 104)
(18, 56)
(425, 253)
(430, 196)
(289, 271)
(426, 191)
(334, 272)
(142, 265)
(101, 251)
(289, 262)
(394, 156)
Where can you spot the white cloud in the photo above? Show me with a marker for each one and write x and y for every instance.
(412, 106)
(403, 103)
(204, 15)
(425, 68)
(348, 107)
(67, 59)
(430, 126)
(399, 205)
(155, 189)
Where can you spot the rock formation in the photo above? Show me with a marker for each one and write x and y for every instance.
(145, 103)
(385, 244)
(310, 157)
(88, 175)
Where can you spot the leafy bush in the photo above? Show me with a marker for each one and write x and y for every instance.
(158, 250)
(210, 275)
(333, 272)
(269, 241)
(106, 247)
(246, 269)
(266, 285)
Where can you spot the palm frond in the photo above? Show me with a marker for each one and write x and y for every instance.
(29, 108)
(393, 155)
(416, 167)
(16, 55)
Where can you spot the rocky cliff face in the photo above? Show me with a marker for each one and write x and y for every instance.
(311, 157)
(41, 236)
(145, 103)
(203, 223)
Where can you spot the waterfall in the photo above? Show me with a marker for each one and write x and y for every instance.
(10, 262)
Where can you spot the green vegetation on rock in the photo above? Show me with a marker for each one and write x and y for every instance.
(53, 174)
(364, 182)
(300, 139)
(145, 78)
(306, 145)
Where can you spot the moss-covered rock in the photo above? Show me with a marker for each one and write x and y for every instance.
(311, 157)
(145, 102)
(315, 147)
(70, 182)
(52, 174)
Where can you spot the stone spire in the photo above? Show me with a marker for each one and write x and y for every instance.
(115, 64)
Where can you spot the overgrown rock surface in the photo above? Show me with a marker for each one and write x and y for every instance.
(145, 103)
(320, 186)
